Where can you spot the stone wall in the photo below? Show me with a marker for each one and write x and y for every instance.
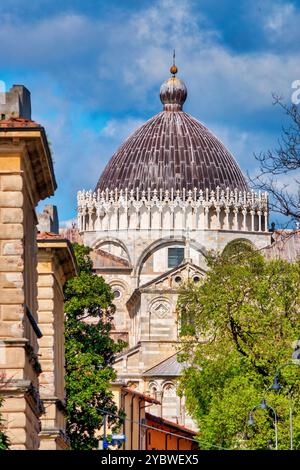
(18, 288)
(55, 266)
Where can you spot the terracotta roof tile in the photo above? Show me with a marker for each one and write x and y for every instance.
(102, 259)
(18, 123)
(167, 423)
(48, 235)
(141, 395)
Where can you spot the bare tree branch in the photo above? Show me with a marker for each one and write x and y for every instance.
(282, 160)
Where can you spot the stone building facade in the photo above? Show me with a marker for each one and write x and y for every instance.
(56, 264)
(26, 178)
(169, 195)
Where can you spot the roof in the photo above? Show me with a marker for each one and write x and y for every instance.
(167, 423)
(170, 272)
(48, 236)
(137, 292)
(172, 150)
(169, 367)
(141, 395)
(286, 246)
(103, 259)
(38, 152)
(18, 123)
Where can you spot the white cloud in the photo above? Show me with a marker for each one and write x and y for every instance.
(120, 129)
(115, 67)
(280, 17)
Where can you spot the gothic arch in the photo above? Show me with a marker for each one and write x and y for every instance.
(161, 243)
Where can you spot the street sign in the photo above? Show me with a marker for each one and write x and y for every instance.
(118, 437)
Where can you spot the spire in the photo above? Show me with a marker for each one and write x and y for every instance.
(173, 68)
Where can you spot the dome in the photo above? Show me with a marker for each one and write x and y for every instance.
(172, 150)
(173, 94)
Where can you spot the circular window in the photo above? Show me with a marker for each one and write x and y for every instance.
(117, 293)
(196, 279)
(178, 279)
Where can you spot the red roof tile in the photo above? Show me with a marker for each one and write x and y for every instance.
(103, 259)
(165, 422)
(141, 395)
(48, 235)
(18, 123)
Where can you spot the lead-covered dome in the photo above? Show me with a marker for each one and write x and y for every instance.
(172, 150)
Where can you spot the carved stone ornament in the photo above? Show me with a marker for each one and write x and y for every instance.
(160, 309)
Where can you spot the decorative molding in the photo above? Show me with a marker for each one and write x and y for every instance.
(160, 308)
(174, 209)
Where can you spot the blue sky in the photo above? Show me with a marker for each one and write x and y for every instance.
(94, 69)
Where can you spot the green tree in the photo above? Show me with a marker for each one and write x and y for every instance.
(4, 442)
(90, 353)
(237, 326)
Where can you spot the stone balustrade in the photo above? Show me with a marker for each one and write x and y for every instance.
(173, 210)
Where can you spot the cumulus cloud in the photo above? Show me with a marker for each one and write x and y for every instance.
(120, 128)
(84, 66)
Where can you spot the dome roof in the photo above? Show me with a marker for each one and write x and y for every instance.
(173, 94)
(172, 150)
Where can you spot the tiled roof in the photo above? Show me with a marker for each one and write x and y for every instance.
(286, 246)
(168, 368)
(18, 123)
(48, 235)
(167, 423)
(172, 150)
(103, 259)
(141, 395)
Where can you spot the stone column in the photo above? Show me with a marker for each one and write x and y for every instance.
(227, 213)
(259, 220)
(244, 220)
(252, 212)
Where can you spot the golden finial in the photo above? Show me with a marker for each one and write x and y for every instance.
(173, 68)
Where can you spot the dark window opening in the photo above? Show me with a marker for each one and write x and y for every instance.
(175, 257)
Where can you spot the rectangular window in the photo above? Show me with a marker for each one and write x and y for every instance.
(175, 257)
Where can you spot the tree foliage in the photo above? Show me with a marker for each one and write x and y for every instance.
(237, 327)
(89, 353)
(4, 443)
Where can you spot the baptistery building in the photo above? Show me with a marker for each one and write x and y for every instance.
(170, 194)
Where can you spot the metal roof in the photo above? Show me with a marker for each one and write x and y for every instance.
(170, 367)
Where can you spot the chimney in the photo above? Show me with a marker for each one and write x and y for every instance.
(16, 103)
